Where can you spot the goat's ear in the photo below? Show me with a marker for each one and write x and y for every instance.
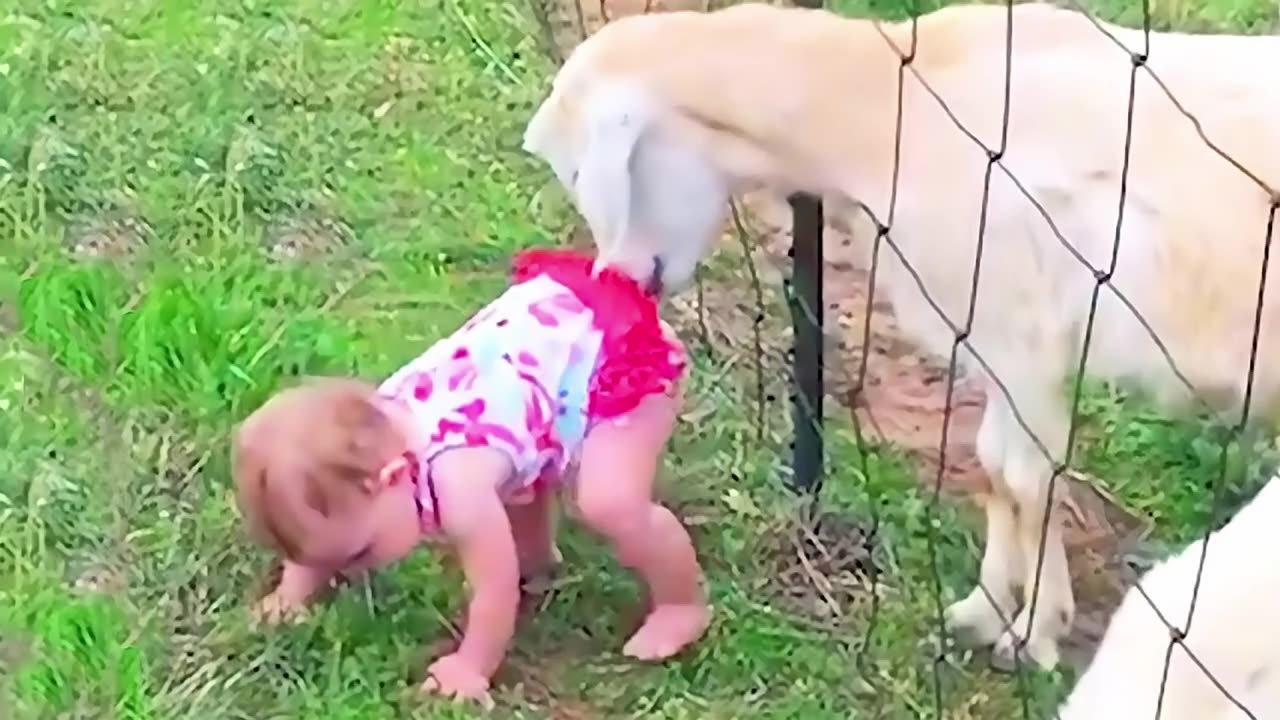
(614, 124)
(551, 136)
(537, 131)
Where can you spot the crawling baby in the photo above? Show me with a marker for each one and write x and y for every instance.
(567, 380)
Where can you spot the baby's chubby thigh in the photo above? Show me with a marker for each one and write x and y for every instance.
(648, 426)
(614, 496)
(614, 476)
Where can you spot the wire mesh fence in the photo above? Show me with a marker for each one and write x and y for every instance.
(1103, 276)
(808, 368)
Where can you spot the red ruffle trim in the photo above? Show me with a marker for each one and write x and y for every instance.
(637, 359)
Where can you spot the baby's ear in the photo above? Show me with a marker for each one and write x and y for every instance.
(389, 475)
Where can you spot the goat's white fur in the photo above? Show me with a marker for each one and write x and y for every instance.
(792, 99)
(1233, 631)
(629, 181)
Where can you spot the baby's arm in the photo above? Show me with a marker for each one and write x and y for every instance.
(474, 519)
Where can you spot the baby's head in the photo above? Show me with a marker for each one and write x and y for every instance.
(320, 476)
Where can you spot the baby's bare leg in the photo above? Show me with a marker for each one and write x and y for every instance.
(533, 527)
(615, 498)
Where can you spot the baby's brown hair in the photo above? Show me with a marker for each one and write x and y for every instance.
(304, 458)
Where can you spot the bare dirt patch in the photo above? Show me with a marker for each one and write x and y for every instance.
(307, 237)
(112, 236)
(903, 403)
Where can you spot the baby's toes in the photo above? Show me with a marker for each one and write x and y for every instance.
(668, 630)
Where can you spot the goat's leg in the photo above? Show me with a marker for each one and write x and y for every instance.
(988, 610)
(1049, 604)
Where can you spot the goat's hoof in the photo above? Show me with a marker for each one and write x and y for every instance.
(973, 622)
(1010, 654)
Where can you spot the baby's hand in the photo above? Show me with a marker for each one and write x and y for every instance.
(278, 608)
(477, 523)
(453, 677)
(288, 602)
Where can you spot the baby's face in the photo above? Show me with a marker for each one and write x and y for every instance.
(388, 527)
(374, 534)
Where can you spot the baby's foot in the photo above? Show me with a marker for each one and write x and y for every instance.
(668, 630)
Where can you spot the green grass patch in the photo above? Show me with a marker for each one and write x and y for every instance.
(378, 145)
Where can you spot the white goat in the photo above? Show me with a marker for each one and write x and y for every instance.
(655, 120)
(1233, 631)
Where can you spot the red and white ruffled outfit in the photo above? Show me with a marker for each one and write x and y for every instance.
(536, 369)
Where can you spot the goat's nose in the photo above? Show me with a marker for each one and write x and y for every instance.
(655, 280)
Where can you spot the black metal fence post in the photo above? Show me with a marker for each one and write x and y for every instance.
(806, 304)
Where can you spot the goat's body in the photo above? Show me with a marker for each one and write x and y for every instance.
(1233, 632)
(758, 96)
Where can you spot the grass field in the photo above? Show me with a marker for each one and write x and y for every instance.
(197, 205)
